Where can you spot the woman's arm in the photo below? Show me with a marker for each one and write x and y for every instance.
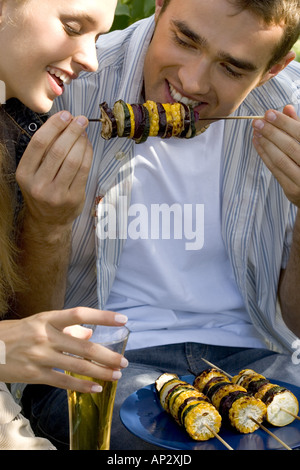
(52, 175)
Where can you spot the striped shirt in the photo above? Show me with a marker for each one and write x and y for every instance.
(257, 218)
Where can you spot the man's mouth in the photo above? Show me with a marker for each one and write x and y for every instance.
(182, 99)
(59, 76)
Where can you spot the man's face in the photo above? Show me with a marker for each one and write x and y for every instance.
(206, 54)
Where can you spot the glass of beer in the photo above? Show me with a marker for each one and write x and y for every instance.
(90, 414)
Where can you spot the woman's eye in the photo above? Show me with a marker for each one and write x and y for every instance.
(72, 28)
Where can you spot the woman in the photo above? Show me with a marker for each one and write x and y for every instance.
(45, 45)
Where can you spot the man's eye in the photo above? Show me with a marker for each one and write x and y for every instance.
(231, 72)
(181, 42)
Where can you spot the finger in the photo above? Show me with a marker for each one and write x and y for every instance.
(84, 315)
(78, 185)
(68, 382)
(87, 368)
(84, 367)
(61, 147)
(88, 350)
(277, 153)
(283, 132)
(285, 170)
(77, 162)
(42, 140)
(290, 111)
(78, 331)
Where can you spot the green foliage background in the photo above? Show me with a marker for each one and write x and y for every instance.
(130, 11)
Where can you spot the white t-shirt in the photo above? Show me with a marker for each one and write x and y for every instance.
(175, 282)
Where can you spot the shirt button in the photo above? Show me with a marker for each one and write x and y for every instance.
(120, 155)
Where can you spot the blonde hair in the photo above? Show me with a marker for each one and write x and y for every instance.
(10, 278)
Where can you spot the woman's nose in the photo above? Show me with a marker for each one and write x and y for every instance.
(86, 57)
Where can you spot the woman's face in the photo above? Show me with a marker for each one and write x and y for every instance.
(46, 44)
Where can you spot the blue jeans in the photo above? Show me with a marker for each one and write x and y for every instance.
(47, 407)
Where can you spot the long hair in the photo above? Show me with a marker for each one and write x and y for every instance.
(10, 278)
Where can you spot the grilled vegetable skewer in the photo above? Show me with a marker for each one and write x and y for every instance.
(150, 119)
(282, 405)
(190, 408)
(233, 402)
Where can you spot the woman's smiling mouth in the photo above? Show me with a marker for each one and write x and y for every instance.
(58, 79)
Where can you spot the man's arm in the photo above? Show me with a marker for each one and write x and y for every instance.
(289, 285)
(276, 139)
(52, 175)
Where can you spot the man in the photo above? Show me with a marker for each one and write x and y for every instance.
(226, 290)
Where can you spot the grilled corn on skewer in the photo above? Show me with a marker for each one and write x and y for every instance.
(232, 401)
(190, 408)
(276, 398)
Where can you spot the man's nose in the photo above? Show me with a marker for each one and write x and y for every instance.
(195, 77)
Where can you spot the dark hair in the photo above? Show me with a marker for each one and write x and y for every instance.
(276, 12)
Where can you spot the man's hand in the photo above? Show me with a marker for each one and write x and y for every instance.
(277, 141)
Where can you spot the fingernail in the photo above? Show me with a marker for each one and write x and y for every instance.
(119, 318)
(271, 116)
(65, 116)
(124, 362)
(116, 375)
(259, 124)
(82, 121)
(96, 389)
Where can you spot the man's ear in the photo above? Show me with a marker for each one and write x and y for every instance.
(158, 7)
(275, 69)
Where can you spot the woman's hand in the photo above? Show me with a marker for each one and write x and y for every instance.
(53, 171)
(38, 344)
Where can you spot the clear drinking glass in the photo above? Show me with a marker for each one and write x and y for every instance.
(90, 414)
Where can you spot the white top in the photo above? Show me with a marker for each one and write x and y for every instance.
(175, 282)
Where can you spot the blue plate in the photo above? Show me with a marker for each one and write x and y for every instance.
(142, 415)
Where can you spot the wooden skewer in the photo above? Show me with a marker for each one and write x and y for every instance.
(290, 413)
(270, 433)
(230, 377)
(229, 117)
(218, 437)
(250, 417)
(216, 367)
(203, 119)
